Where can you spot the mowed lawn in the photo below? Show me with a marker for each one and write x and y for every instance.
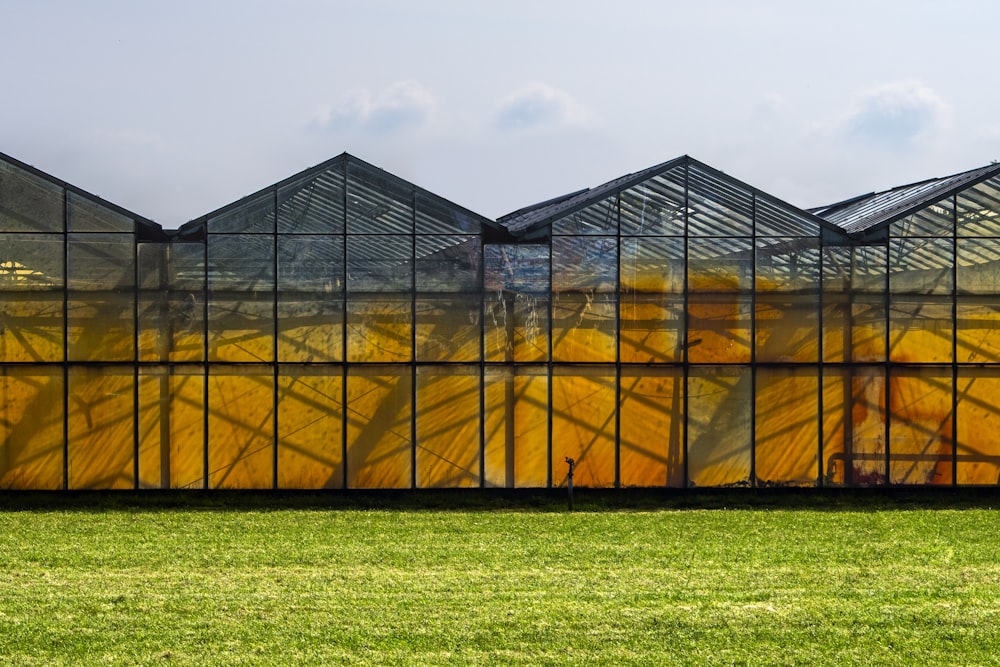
(756, 579)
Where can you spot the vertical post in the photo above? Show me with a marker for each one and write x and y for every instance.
(569, 481)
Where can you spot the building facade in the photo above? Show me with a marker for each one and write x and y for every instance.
(346, 329)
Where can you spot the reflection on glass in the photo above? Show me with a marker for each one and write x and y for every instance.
(720, 410)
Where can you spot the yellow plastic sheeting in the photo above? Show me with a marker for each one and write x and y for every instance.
(583, 426)
(854, 426)
(719, 413)
(787, 327)
(172, 428)
(241, 330)
(31, 427)
(978, 330)
(380, 330)
(379, 442)
(310, 331)
(310, 423)
(100, 328)
(583, 327)
(448, 408)
(240, 427)
(854, 328)
(719, 328)
(651, 327)
(448, 328)
(920, 331)
(787, 426)
(101, 431)
(651, 431)
(978, 426)
(516, 427)
(171, 328)
(31, 326)
(920, 431)
(517, 328)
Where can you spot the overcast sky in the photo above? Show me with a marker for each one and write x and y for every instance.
(174, 108)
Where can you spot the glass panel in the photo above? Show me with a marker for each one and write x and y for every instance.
(31, 326)
(101, 309)
(652, 327)
(719, 328)
(655, 207)
(599, 218)
(934, 220)
(438, 217)
(787, 327)
(172, 302)
(787, 265)
(717, 206)
(978, 210)
(652, 265)
(920, 432)
(377, 203)
(379, 440)
(920, 329)
(172, 427)
(31, 262)
(101, 428)
(920, 266)
(89, 216)
(517, 306)
(854, 426)
(583, 425)
(253, 216)
(978, 266)
(855, 323)
(448, 408)
(651, 423)
(720, 265)
(583, 300)
(516, 427)
(379, 328)
(241, 298)
(379, 263)
(29, 203)
(240, 427)
(776, 219)
(978, 426)
(310, 298)
(720, 409)
(448, 307)
(310, 423)
(314, 205)
(787, 427)
(978, 329)
(31, 427)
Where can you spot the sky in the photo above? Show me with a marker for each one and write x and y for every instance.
(173, 109)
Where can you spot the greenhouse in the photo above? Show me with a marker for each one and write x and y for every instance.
(346, 329)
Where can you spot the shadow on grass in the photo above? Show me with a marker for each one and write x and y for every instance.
(515, 500)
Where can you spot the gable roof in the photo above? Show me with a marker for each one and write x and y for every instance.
(864, 213)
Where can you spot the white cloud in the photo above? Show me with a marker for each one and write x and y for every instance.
(895, 116)
(402, 105)
(539, 105)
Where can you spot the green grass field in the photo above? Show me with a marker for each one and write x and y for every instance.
(738, 578)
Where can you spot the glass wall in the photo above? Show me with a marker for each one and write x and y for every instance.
(344, 329)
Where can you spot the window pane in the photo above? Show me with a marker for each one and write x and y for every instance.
(172, 427)
(377, 203)
(720, 407)
(978, 331)
(171, 302)
(583, 425)
(89, 216)
(978, 210)
(101, 428)
(652, 419)
(787, 426)
(310, 420)
(517, 427)
(380, 328)
(101, 309)
(920, 329)
(314, 205)
(448, 408)
(241, 298)
(854, 426)
(920, 438)
(934, 220)
(255, 216)
(717, 206)
(655, 207)
(978, 266)
(921, 266)
(599, 218)
(719, 328)
(240, 427)
(310, 298)
(517, 305)
(29, 203)
(31, 427)
(787, 327)
(379, 440)
(978, 425)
